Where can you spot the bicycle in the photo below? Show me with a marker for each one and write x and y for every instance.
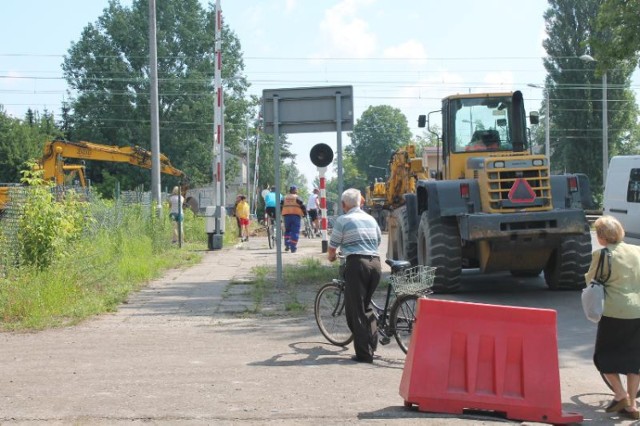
(308, 230)
(407, 284)
(271, 231)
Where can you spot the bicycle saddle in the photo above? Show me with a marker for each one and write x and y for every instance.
(398, 265)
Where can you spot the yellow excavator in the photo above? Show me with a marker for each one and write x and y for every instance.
(382, 198)
(55, 170)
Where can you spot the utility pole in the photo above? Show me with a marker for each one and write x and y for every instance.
(605, 121)
(547, 123)
(155, 120)
(218, 132)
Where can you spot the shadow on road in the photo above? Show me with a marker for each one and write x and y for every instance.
(319, 353)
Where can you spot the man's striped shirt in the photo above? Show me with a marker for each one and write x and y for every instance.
(356, 232)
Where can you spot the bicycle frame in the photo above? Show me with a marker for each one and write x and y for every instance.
(381, 314)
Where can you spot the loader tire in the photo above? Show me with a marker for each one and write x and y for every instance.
(567, 264)
(439, 245)
(407, 240)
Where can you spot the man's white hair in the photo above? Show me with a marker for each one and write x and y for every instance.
(351, 198)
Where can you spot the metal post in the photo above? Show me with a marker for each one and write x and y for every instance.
(339, 147)
(605, 133)
(547, 129)
(256, 172)
(276, 161)
(155, 120)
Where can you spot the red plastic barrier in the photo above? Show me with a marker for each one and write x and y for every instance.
(484, 357)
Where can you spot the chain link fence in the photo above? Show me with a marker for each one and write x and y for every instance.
(104, 216)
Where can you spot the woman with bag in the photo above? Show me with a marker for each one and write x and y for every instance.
(617, 347)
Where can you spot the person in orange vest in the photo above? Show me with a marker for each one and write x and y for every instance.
(293, 209)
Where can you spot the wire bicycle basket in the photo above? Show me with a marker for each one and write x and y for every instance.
(417, 280)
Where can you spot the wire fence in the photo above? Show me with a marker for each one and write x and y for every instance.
(108, 216)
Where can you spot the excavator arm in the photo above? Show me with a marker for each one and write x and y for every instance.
(52, 162)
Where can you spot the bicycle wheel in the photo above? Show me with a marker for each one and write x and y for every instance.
(606, 382)
(330, 314)
(270, 236)
(402, 319)
(307, 229)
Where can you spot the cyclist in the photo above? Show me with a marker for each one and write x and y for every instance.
(313, 207)
(358, 236)
(293, 209)
(270, 203)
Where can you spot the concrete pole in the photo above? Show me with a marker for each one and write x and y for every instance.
(218, 160)
(155, 119)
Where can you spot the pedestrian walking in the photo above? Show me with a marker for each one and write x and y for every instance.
(176, 214)
(235, 208)
(293, 209)
(242, 214)
(617, 347)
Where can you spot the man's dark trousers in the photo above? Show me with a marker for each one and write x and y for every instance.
(362, 274)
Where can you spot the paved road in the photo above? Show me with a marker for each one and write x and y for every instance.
(181, 351)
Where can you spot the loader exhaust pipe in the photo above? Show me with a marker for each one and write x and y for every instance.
(517, 119)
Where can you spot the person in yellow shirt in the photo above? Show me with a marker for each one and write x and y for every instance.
(242, 214)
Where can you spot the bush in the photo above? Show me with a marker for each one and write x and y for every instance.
(91, 256)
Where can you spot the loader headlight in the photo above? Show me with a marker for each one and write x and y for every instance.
(498, 165)
(538, 162)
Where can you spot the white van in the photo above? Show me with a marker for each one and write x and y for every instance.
(622, 194)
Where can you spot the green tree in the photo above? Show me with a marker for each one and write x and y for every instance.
(352, 176)
(23, 140)
(575, 92)
(621, 21)
(108, 70)
(266, 165)
(376, 135)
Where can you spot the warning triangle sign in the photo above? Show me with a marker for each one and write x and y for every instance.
(521, 192)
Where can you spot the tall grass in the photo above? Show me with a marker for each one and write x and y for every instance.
(124, 248)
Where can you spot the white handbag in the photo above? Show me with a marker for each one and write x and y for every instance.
(593, 295)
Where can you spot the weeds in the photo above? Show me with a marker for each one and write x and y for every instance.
(123, 249)
(300, 280)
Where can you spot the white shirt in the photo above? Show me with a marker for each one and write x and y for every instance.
(312, 203)
(175, 201)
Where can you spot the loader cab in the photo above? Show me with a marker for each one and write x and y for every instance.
(481, 125)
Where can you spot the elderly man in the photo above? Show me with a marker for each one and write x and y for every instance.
(358, 236)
